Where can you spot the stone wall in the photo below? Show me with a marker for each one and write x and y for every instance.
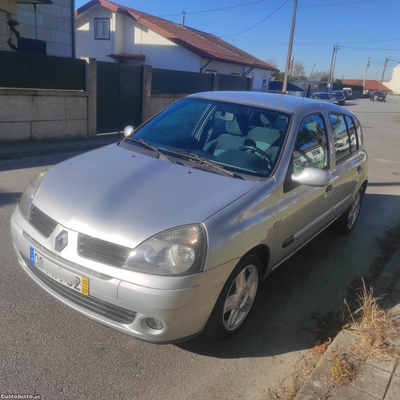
(42, 114)
(51, 23)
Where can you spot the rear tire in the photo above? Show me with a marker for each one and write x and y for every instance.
(236, 300)
(346, 222)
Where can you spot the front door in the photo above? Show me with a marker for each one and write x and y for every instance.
(305, 210)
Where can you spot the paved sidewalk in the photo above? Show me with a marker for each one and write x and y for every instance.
(26, 149)
(375, 379)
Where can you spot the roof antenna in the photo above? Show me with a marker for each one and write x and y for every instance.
(183, 18)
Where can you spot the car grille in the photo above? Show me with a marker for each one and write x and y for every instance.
(102, 251)
(90, 303)
(43, 223)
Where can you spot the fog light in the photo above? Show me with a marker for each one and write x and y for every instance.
(154, 323)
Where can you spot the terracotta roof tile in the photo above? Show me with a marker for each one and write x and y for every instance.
(204, 44)
(369, 84)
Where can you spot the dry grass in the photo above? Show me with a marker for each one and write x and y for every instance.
(341, 372)
(374, 327)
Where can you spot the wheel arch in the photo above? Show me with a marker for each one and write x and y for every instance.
(364, 186)
(263, 252)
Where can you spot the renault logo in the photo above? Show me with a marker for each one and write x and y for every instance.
(61, 241)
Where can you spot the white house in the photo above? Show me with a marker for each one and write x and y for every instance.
(115, 33)
(37, 26)
(394, 83)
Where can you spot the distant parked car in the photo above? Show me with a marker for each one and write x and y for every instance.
(169, 232)
(338, 97)
(321, 96)
(378, 96)
(348, 92)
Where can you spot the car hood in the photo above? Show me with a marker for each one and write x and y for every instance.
(125, 197)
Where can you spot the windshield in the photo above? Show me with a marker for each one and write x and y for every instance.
(240, 138)
(337, 93)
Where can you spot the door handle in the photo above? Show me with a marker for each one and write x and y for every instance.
(328, 191)
(359, 170)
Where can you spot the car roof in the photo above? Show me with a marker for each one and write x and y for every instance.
(321, 93)
(282, 102)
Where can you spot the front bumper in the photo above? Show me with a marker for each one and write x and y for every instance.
(182, 304)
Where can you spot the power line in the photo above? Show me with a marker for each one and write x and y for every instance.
(326, 43)
(232, 8)
(370, 48)
(258, 23)
(216, 9)
(336, 32)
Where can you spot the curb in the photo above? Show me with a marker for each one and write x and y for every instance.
(316, 385)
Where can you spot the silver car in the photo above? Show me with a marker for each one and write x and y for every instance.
(169, 232)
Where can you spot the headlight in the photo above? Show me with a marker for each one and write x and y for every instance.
(25, 203)
(178, 251)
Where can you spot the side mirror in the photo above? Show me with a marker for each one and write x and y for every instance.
(312, 177)
(128, 130)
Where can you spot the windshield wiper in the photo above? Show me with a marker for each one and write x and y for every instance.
(201, 160)
(161, 155)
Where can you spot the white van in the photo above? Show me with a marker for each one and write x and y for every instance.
(348, 92)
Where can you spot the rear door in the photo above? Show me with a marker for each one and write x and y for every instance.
(348, 159)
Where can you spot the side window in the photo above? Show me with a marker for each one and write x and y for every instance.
(359, 132)
(340, 135)
(352, 133)
(311, 148)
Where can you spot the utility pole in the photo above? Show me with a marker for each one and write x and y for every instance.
(330, 71)
(312, 70)
(366, 71)
(383, 73)
(333, 63)
(291, 66)
(289, 54)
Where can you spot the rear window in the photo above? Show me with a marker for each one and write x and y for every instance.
(340, 135)
(346, 135)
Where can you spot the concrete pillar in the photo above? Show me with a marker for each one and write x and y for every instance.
(146, 92)
(215, 83)
(91, 88)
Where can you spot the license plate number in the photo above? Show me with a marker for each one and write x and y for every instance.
(76, 282)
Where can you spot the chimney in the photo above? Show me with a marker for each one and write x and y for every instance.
(183, 18)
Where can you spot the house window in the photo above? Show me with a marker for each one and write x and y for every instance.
(102, 28)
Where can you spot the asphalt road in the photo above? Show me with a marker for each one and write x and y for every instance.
(48, 349)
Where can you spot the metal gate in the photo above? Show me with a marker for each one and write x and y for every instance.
(119, 96)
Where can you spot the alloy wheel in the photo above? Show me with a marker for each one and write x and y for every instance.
(354, 211)
(240, 297)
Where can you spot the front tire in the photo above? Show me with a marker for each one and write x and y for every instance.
(346, 222)
(236, 300)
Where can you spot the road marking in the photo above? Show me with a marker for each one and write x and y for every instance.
(386, 161)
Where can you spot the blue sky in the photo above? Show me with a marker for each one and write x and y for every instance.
(354, 24)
